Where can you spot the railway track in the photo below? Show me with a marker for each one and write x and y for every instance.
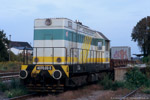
(8, 76)
(23, 97)
(9, 73)
(127, 96)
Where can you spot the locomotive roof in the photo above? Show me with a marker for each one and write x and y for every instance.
(103, 36)
(80, 24)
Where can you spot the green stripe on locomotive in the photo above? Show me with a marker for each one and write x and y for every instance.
(60, 34)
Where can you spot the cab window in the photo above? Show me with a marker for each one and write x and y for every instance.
(99, 45)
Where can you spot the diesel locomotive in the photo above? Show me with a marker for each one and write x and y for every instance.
(66, 54)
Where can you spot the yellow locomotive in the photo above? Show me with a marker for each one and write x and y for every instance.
(65, 54)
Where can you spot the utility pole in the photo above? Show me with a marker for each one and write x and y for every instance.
(9, 46)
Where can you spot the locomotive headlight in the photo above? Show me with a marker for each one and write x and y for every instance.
(58, 59)
(36, 59)
(23, 74)
(57, 74)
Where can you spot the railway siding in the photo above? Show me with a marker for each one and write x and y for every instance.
(8, 76)
(23, 97)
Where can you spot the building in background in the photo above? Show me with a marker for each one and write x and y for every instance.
(18, 47)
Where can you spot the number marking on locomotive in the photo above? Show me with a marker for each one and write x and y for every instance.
(44, 68)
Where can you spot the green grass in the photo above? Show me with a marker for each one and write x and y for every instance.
(15, 92)
(10, 66)
(146, 90)
(108, 83)
(117, 84)
(3, 87)
(12, 89)
(135, 78)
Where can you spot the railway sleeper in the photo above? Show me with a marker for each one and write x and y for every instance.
(45, 88)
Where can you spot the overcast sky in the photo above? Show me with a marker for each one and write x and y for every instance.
(114, 18)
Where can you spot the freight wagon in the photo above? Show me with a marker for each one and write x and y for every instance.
(121, 52)
(120, 56)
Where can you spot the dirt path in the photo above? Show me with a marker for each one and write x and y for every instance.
(3, 97)
(93, 92)
(95, 95)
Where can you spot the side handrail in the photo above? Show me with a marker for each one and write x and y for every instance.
(95, 54)
(25, 56)
(92, 54)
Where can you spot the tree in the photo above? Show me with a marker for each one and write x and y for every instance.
(4, 42)
(141, 35)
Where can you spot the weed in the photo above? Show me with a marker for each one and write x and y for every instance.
(146, 90)
(12, 89)
(3, 87)
(10, 66)
(135, 78)
(15, 83)
(117, 84)
(15, 92)
(147, 71)
(147, 83)
(106, 82)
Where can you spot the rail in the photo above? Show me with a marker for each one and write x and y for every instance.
(23, 97)
(8, 76)
(129, 94)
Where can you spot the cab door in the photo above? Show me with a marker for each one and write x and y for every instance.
(47, 49)
(75, 50)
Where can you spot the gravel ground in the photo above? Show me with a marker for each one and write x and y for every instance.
(140, 96)
(94, 95)
(111, 95)
(2, 97)
(89, 94)
(137, 96)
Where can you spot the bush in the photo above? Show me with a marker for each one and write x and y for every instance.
(106, 82)
(3, 87)
(146, 90)
(147, 83)
(10, 66)
(12, 89)
(147, 71)
(146, 59)
(135, 78)
(117, 84)
(15, 83)
(15, 92)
